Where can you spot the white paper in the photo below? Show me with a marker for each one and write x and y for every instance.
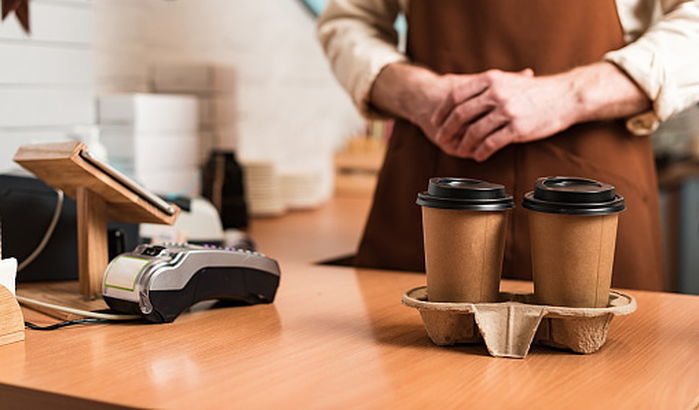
(121, 277)
(8, 273)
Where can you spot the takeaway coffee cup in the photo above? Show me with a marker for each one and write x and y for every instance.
(464, 222)
(572, 228)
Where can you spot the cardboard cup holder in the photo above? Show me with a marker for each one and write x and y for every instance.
(510, 326)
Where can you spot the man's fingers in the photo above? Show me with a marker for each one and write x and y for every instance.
(451, 146)
(445, 107)
(493, 143)
(465, 89)
(463, 114)
(474, 86)
(477, 132)
(528, 72)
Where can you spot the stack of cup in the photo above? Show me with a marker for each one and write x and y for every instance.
(464, 225)
(572, 227)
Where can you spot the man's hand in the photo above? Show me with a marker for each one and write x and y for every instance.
(410, 92)
(415, 93)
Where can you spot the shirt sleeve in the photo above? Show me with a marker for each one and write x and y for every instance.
(359, 39)
(663, 61)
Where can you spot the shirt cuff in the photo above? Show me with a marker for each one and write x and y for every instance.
(646, 69)
(643, 124)
(362, 92)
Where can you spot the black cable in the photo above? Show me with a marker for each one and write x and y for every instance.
(59, 325)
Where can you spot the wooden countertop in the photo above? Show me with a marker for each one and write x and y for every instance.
(313, 236)
(339, 337)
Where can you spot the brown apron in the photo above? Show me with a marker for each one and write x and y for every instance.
(549, 36)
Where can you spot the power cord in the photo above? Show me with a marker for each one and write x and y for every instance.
(85, 313)
(49, 232)
(59, 325)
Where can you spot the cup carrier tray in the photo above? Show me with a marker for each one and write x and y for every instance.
(510, 326)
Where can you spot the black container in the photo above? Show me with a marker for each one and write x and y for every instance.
(222, 184)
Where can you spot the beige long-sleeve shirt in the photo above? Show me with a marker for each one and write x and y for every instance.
(661, 54)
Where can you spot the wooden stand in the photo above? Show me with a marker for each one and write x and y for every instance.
(93, 253)
(11, 319)
(100, 198)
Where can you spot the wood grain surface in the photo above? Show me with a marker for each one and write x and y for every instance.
(340, 338)
(313, 236)
(11, 321)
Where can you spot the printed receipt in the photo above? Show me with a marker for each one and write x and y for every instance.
(8, 273)
(123, 272)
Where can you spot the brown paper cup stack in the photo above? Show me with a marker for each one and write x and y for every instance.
(464, 224)
(572, 227)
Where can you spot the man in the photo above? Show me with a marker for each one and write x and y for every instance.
(508, 91)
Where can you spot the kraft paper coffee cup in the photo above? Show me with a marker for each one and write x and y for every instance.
(572, 228)
(464, 223)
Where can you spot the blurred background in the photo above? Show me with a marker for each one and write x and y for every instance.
(154, 86)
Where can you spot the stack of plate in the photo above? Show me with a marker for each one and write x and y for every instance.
(301, 190)
(263, 189)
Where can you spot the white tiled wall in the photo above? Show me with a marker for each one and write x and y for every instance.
(120, 45)
(288, 106)
(46, 78)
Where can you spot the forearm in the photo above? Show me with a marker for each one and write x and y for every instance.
(663, 60)
(602, 91)
(359, 39)
(402, 90)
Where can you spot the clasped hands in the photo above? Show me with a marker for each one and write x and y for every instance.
(475, 115)
(479, 114)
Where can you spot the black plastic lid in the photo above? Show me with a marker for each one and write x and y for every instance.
(573, 196)
(466, 194)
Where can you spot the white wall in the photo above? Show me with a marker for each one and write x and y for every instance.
(289, 106)
(47, 77)
(120, 45)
